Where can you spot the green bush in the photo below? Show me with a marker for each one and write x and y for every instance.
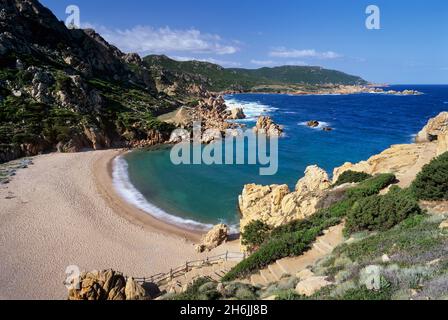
(201, 289)
(352, 177)
(371, 186)
(296, 237)
(255, 234)
(381, 213)
(288, 245)
(364, 294)
(432, 182)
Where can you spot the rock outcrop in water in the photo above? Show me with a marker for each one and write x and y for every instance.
(214, 238)
(267, 126)
(236, 114)
(313, 124)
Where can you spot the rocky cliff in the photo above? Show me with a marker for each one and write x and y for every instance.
(276, 205)
(65, 89)
(406, 160)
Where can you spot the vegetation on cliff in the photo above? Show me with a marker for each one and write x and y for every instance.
(350, 176)
(295, 238)
(69, 89)
(216, 78)
(382, 212)
(394, 249)
(432, 183)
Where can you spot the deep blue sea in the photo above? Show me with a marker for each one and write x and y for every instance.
(199, 196)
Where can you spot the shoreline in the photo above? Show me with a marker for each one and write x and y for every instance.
(61, 211)
(342, 90)
(103, 171)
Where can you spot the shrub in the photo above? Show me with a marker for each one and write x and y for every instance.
(289, 295)
(255, 233)
(200, 289)
(296, 237)
(372, 186)
(352, 177)
(288, 245)
(381, 213)
(363, 293)
(432, 182)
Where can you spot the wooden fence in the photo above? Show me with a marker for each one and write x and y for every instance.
(160, 278)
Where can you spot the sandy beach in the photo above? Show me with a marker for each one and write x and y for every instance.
(63, 211)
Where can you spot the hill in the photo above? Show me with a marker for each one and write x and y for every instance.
(69, 89)
(217, 78)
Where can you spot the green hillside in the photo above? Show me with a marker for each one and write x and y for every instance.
(217, 78)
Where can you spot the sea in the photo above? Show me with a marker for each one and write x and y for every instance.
(199, 196)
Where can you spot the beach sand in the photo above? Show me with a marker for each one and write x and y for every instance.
(63, 211)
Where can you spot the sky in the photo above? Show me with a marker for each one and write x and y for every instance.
(411, 46)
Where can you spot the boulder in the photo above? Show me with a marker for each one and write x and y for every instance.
(305, 274)
(436, 130)
(315, 179)
(267, 126)
(134, 291)
(405, 161)
(209, 136)
(276, 205)
(237, 114)
(444, 225)
(178, 136)
(214, 238)
(313, 124)
(97, 138)
(106, 285)
(312, 285)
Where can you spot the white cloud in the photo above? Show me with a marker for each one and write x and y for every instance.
(223, 63)
(146, 39)
(307, 53)
(271, 63)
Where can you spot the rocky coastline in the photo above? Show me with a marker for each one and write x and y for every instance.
(276, 205)
(328, 89)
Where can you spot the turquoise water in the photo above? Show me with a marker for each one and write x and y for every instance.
(364, 125)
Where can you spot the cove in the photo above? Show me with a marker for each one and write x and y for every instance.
(364, 125)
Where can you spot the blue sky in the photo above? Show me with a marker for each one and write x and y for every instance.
(411, 47)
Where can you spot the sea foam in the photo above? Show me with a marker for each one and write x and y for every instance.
(129, 192)
(252, 110)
